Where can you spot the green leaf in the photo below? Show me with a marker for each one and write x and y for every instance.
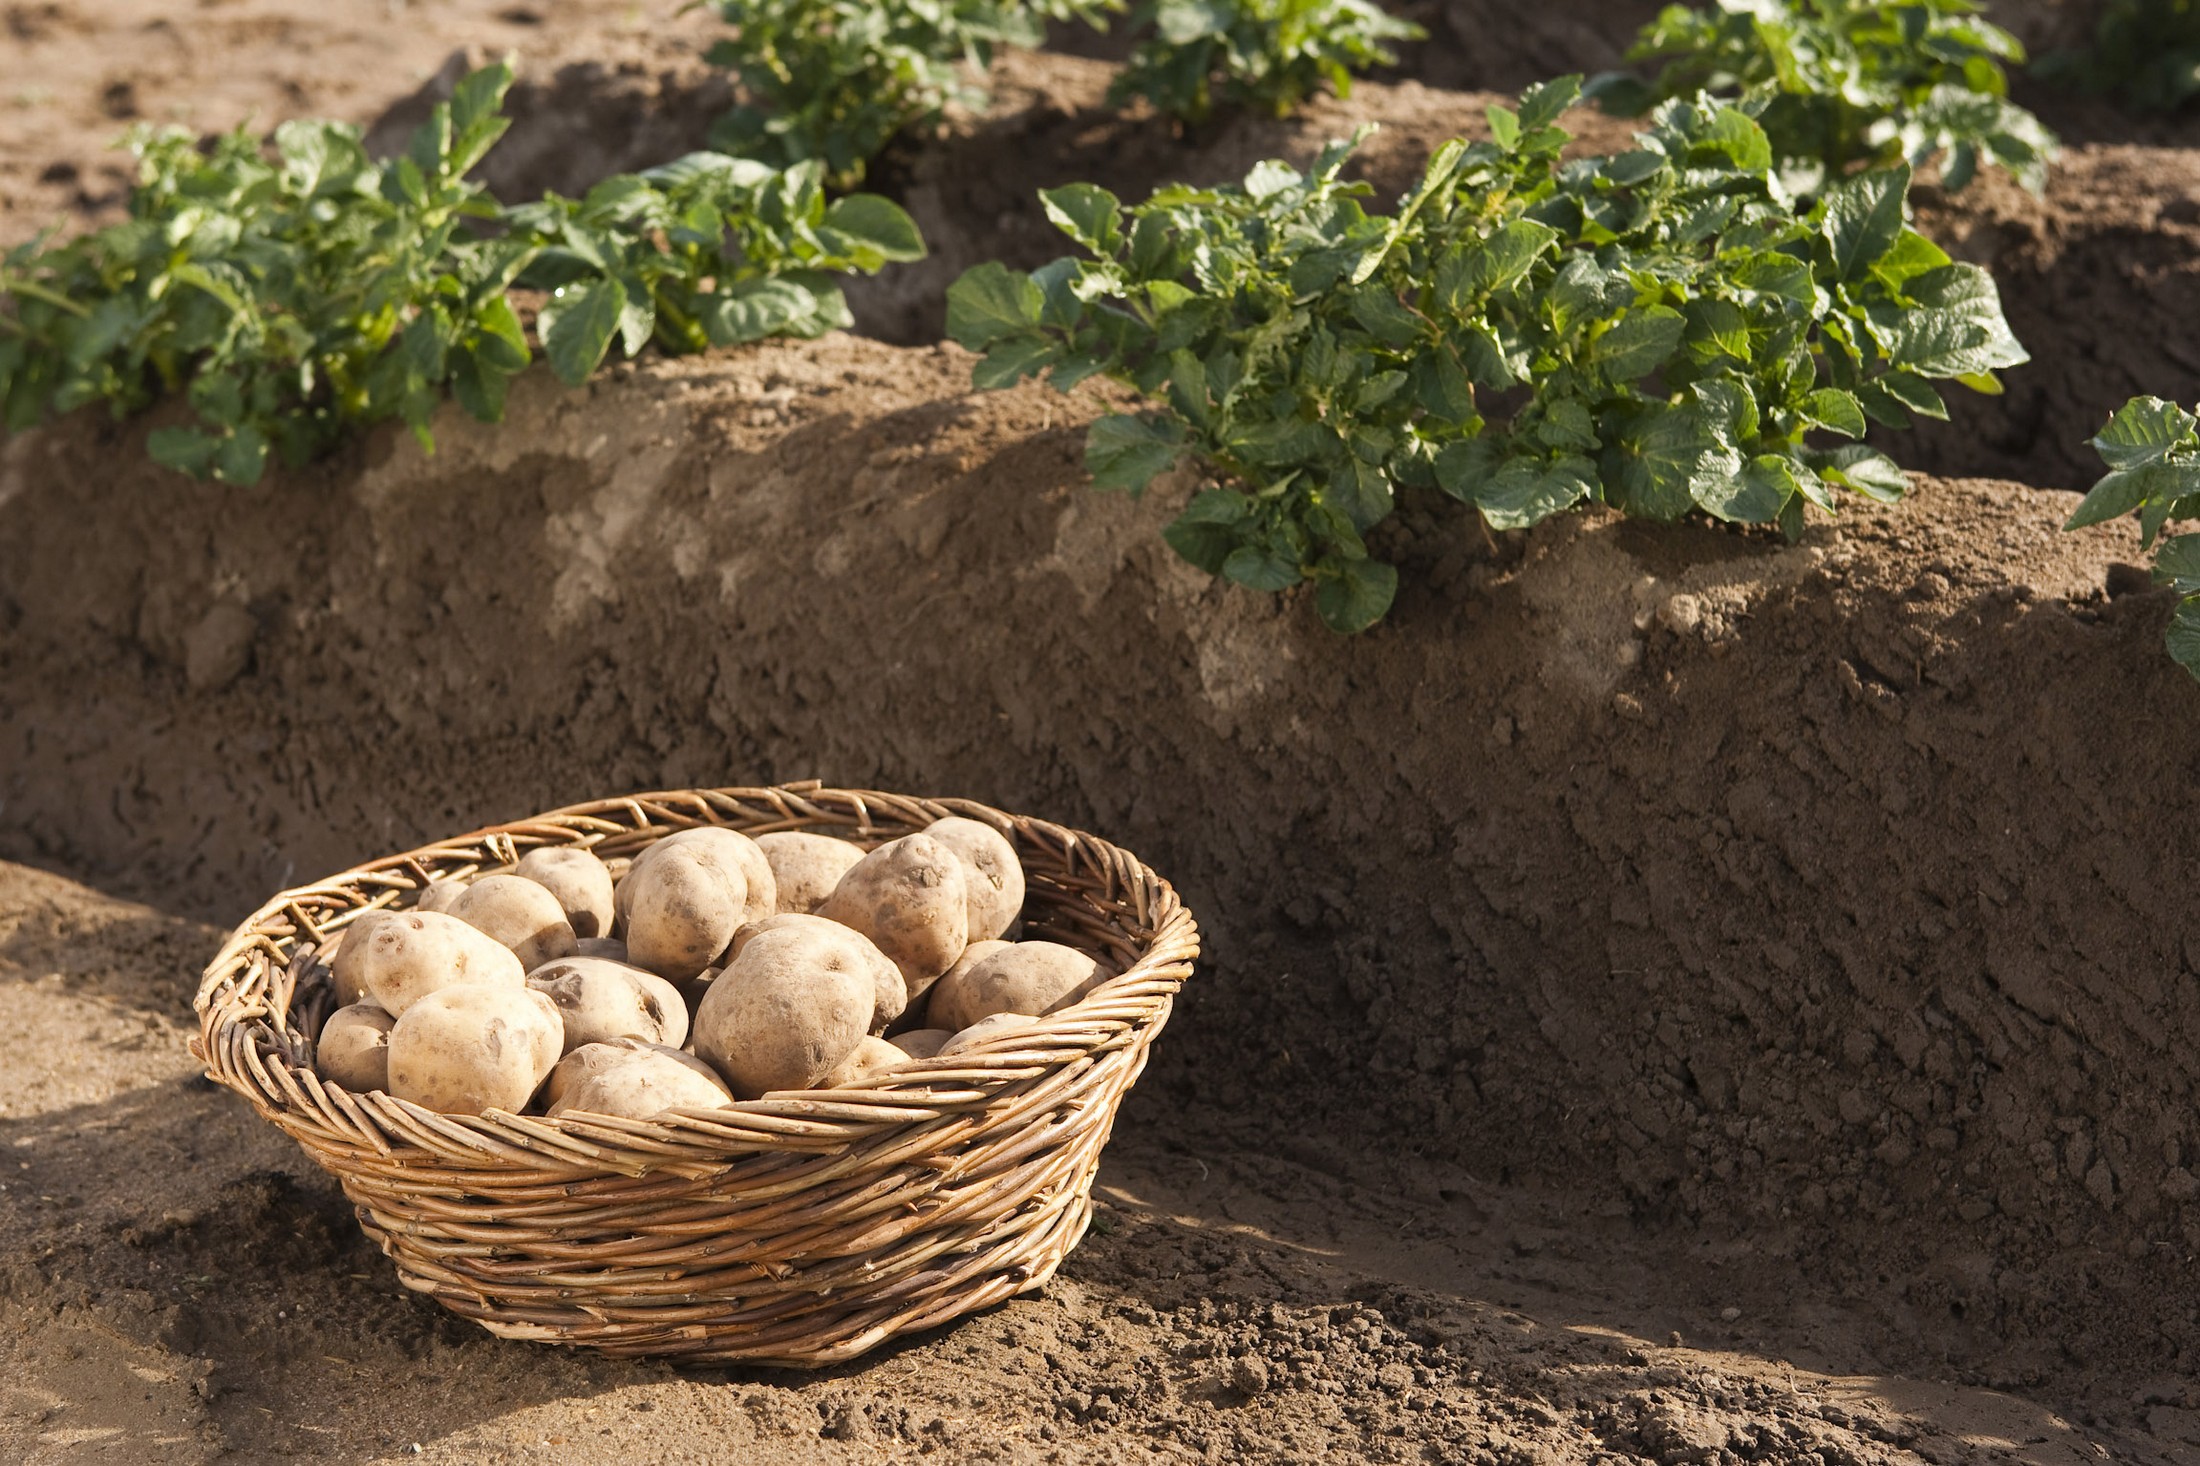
(1862, 218)
(187, 450)
(1525, 492)
(1504, 126)
(2177, 563)
(2183, 637)
(2123, 490)
(242, 457)
(991, 301)
(1259, 567)
(1756, 495)
(2145, 430)
(752, 310)
(1088, 214)
(581, 326)
(1129, 452)
(1639, 343)
(879, 225)
(1356, 596)
(1836, 411)
(1866, 470)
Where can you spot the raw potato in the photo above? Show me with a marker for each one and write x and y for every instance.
(522, 914)
(599, 1001)
(909, 897)
(870, 1056)
(1024, 977)
(984, 1029)
(641, 1086)
(579, 881)
(786, 1012)
(611, 949)
(806, 867)
(992, 874)
(344, 968)
(893, 993)
(474, 1047)
(414, 953)
(680, 906)
(952, 979)
(354, 1050)
(590, 1059)
(921, 1043)
(440, 895)
(729, 850)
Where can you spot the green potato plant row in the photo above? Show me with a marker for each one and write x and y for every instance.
(1842, 84)
(1662, 331)
(292, 297)
(835, 80)
(2143, 53)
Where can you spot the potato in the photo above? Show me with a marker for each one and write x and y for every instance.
(730, 851)
(354, 1049)
(590, 1059)
(870, 1056)
(786, 1012)
(640, 1085)
(806, 867)
(599, 1000)
(893, 994)
(413, 953)
(972, 955)
(909, 897)
(984, 1029)
(520, 913)
(579, 881)
(344, 968)
(439, 895)
(1023, 977)
(921, 1043)
(680, 906)
(473, 1047)
(611, 949)
(992, 875)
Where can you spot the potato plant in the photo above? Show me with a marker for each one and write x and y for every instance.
(2152, 449)
(2143, 53)
(1662, 331)
(293, 290)
(1839, 84)
(832, 81)
(1264, 55)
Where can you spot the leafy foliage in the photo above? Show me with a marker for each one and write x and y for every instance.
(834, 80)
(296, 295)
(2152, 449)
(1842, 83)
(1269, 55)
(1660, 331)
(2144, 53)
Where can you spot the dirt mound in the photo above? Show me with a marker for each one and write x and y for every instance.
(1780, 893)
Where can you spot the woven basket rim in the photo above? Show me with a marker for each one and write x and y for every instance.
(249, 1044)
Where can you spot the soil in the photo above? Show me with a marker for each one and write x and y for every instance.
(1672, 995)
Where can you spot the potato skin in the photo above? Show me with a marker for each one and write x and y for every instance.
(785, 1013)
(641, 1085)
(909, 897)
(1024, 977)
(522, 914)
(439, 895)
(992, 1026)
(414, 953)
(599, 1001)
(893, 993)
(952, 980)
(611, 949)
(728, 850)
(578, 879)
(472, 1047)
(594, 1058)
(680, 906)
(806, 867)
(992, 875)
(344, 968)
(354, 1048)
(868, 1058)
(921, 1043)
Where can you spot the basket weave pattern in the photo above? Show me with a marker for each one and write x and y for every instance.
(789, 1231)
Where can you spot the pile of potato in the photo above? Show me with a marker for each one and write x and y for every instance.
(716, 967)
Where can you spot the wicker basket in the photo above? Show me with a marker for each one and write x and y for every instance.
(789, 1231)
